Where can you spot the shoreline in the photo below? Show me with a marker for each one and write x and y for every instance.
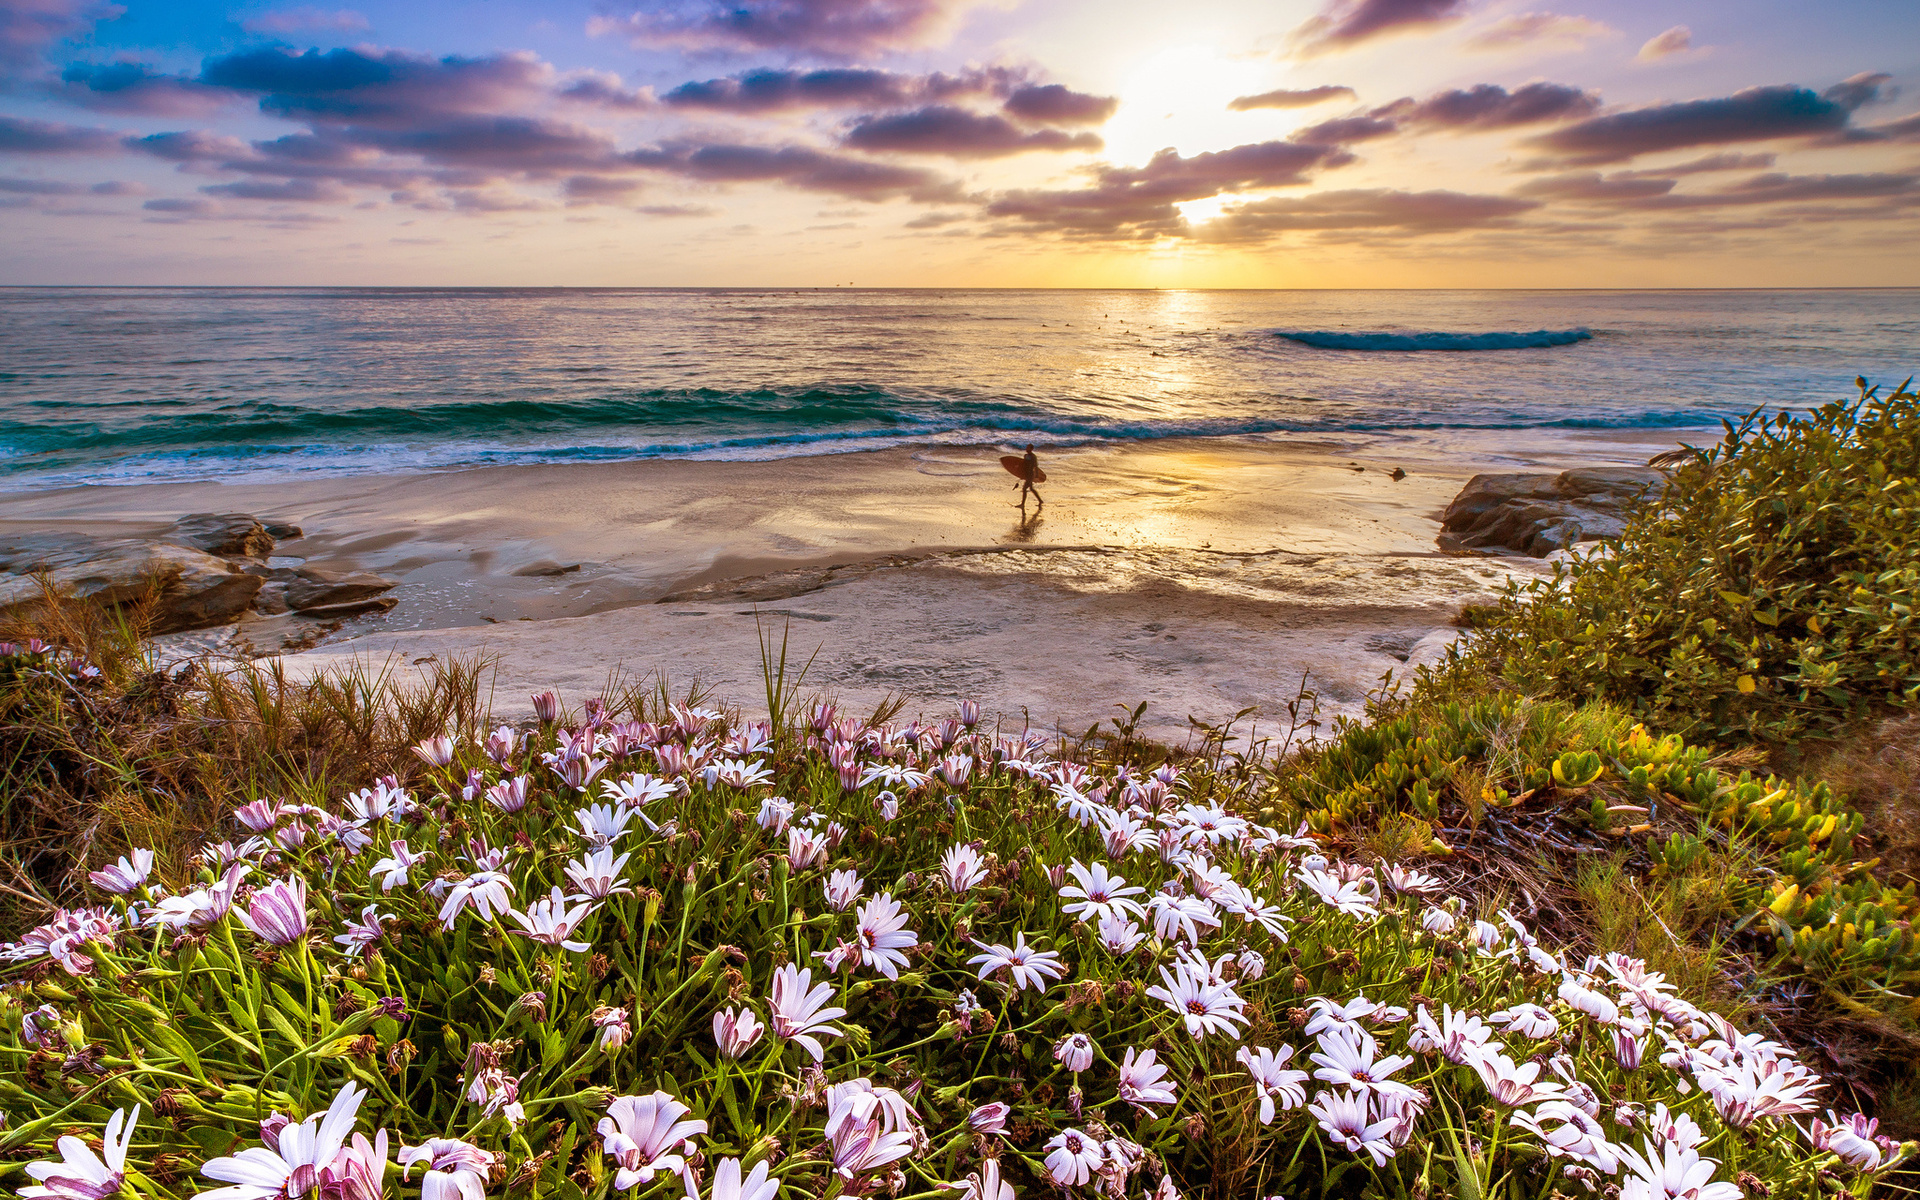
(1202, 575)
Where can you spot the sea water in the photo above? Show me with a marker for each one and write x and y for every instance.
(125, 385)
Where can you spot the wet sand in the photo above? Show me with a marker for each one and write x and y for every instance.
(1204, 577)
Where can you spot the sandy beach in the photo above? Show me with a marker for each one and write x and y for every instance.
(1204, 577)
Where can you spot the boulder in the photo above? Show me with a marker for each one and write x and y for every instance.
(189, 588)
(1537, 514)
(310, 588)
(206, 569)
(230, 535)
(350, 608)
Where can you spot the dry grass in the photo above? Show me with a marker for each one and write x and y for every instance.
(1678, 925)
(142, 756)
(1879, 771)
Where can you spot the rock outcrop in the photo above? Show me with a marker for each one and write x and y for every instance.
(189, 588)
(1536, 514)
(208, 569)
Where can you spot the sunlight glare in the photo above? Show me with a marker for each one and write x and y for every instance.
(1179, 96)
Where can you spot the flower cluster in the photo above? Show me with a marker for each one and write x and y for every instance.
(685, 953)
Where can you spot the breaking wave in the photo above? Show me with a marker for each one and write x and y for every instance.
(1328, 339)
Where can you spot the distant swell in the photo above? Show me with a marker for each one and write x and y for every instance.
(1327, 339)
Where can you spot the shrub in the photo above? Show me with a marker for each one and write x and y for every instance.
(840, 959)
(1769, 596)
(1587, 775)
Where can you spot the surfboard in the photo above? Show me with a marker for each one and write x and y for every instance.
(1016, 466)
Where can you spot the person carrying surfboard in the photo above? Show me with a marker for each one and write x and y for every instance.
(1027, 470)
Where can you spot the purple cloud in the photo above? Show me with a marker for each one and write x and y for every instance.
(29, 26)
(1590, 187)
(307, 191)
(1056, 104)
(1858, 91)
(1139, 202)
(796, 166)
(183, 208)
(1489, 106)
(136, 88)
(1343, 24)
(1642, 190)
(834, 27)
(189, 145)
(390, 87)
(1535, 30)
(1344, 130)
(1666, 44)
(772, 90)
(22, 135)
(40, 187)
(603, 89)
(598, 189)
(61, 187)
(518, 144)
(677, 210)
(957, 133)
(1754, 115)
(1373, 210)
(302, 20)
(1293, 98)
(1906, 129)
(1705, 165)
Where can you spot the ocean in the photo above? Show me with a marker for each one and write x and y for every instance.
(133, 385)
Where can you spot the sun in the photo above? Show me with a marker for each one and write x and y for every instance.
(1178, 97)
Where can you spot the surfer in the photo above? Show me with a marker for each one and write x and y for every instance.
(1027, 470)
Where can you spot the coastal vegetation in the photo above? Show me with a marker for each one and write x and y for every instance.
(1592, 905)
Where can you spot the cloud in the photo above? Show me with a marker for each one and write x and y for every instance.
(1373, 210)
(1643, 190)
(189, 145)
(494, 200)
(29, 26)
(796, 166)
(388, 87)
(1489, 106)
(1858, 91)
(599, 189)
(1702, 166)
(677, 210)
(40, 187)
(61, 187)
(773, 90)
(1293, 98)
(1140, 202)
(1056, 104)
(306, 191)
(1678, 40)
(1592, 187)
(1483, 106)
(183, 208)
(1538, 31)
(302, 20)
(605, 90)
(521, 144)
(1343, 24)
(136, 88)
(1754, 115)
(834, 27)
(1342, 130)
(22, 135)
(1779, 187)
(957, 133)
(1906, 129)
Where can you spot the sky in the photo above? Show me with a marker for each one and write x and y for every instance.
(1018, 143)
